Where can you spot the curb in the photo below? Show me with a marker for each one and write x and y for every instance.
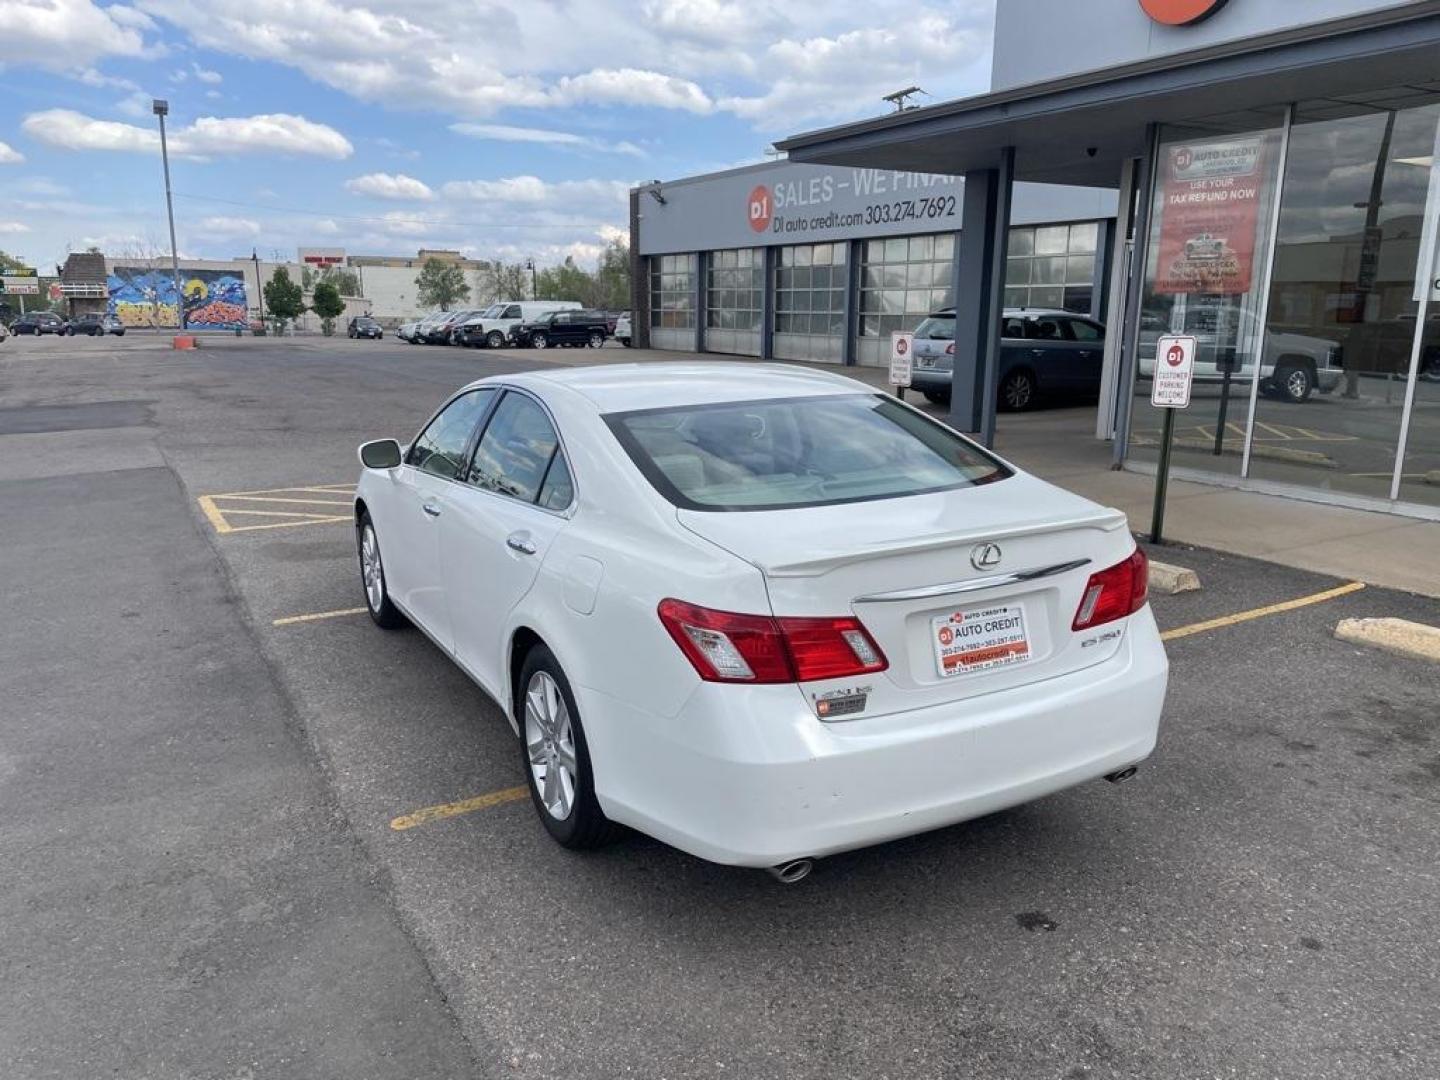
(1169, 580)
(1399, 636)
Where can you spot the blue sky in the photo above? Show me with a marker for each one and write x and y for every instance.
(508, 130)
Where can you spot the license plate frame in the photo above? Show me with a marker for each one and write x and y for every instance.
(970, 641)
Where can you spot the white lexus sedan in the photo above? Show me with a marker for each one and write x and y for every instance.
(761, 613)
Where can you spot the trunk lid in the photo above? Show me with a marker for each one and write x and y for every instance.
(904, 568)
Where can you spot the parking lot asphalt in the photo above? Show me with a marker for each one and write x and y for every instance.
(202, 783)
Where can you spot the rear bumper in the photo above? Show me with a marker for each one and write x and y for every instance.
(931, 379)
(748, 776)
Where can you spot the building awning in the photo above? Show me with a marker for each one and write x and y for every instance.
(1080, 129)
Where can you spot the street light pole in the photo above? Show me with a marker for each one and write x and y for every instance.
(530, 265)
(160, 108)
(259, 287)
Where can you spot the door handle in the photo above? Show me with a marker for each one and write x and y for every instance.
(431, 509)
(520, 542)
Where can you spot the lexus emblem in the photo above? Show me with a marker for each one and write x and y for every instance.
(985, 556)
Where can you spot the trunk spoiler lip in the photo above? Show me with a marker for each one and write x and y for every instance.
(1105, 520)
(953, 588)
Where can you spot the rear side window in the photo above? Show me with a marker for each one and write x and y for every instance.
(936, 328)
(516, 450)
(796, 452)
(1081, 330)
(440, 448)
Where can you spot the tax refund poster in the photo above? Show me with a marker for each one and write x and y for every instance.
(1209, 212)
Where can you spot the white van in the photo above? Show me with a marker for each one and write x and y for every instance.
(491, 327)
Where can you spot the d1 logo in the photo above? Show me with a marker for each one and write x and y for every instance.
(759, 209)
(1180, 12)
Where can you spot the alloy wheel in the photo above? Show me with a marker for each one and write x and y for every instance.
(1018, 391)
(550, 745)
(371, 568)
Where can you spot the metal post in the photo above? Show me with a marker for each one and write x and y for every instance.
(161, 108)
(1145, 181)
(1267, 277)
(259, 285)
(1162, 476)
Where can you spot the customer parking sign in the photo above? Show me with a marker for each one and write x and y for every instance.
(1174, 368)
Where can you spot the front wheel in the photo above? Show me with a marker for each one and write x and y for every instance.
(1017, 391)
(556, 756)
(625, 341)
(538, 341)
(372, 576)
(597, 339)
(495, 340)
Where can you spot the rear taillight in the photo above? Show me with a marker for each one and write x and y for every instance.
(724, 646)
(1114, 593)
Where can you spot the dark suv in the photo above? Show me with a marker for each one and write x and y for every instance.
(366, 327)
(39, 322)
(1042, 351)
(568, 328)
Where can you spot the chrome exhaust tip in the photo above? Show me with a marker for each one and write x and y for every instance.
(1123, 775)
(792, 872)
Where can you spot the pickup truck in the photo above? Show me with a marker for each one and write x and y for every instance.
(567, 328)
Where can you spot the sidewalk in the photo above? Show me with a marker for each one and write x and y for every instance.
(1058, 445)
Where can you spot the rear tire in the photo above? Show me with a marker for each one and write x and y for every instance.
(597, 340)
(556, 757)
(625, 341)
(1294, 383)
(372, 577)
(1017, 391)
(937, 397)
(538, 341)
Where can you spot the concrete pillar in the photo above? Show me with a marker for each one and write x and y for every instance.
(639, 281)
(979, 291)
(767, 303)
(702, 267)
(853, 249)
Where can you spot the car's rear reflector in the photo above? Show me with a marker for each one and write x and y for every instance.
(725, 646)
(1114, 593)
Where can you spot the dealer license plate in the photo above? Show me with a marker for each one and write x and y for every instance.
(979, 639)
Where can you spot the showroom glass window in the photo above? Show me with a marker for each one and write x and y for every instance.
(734, 289)
(1344, 300)
(810, 284)
(902, 280)
(1052, 266)
(1214, 196)
(672, 292)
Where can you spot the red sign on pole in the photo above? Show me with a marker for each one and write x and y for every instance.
(1208, 216)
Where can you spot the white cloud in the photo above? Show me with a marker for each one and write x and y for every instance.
(9, 155)
(227, 227)
(122, 15)
(13, 227)
(630, 86)
(208, 136)
(546, 137)
(210, 78)
(389, 186)
(61, 35)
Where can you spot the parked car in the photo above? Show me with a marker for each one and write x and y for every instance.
(703, 593)
(622, 329)
(1293, 366)
(97, 324)
(437, 331)
(421, 327)
(1042, 351)
(366, 327)
(491, 327)
(406, 330)
(564, 328)
(39, 322)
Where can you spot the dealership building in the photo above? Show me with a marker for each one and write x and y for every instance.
(1261, 177)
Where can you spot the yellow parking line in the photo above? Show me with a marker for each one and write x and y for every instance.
(316, 616)
(274, 499)
(207, 507)
(1261, 612)
(464, 806)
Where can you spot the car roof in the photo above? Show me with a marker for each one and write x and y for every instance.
(624, 387)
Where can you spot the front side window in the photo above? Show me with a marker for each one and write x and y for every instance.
(797, 452)
(511, 312)
(440, 448)
(516, 450)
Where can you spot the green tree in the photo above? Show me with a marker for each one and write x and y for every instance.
(9, 264)
(503, 281)
(440, 284)
(347, 282)
(612, 276)
(284, 299)
(566, 282)
(328, 305)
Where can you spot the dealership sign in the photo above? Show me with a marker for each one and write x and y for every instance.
(1209, 212)
(1181, 12)
(1174, 369)
(12, 284)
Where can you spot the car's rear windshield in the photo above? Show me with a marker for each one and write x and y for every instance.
(785, 453)
(937, 328)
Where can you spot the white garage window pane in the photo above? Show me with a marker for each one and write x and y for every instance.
(1052, 239)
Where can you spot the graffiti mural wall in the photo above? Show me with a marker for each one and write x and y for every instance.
(214, 299)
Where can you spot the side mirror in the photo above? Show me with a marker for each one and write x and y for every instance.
(380, 454)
